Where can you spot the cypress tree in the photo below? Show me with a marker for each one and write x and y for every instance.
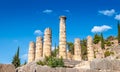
(102, 42)
(16, 59)
(55, 50)
(118, 32)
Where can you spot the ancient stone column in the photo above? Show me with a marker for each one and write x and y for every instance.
(31, 53)
(47, 42)
(62, 38)
(90, 48)
(39, 48)
(77, 50)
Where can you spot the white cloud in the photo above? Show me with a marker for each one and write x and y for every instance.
(67, 11)
(24, 56)
(47, 11)
(117, 17)
(38, 32)
(107, 12)
(102, 28)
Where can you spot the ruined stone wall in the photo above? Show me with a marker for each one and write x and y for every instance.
(99, 53)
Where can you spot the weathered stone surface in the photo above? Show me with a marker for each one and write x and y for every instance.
(62, 38)
(77, 50)
(99, 53)
(90, 48)
(31, 53)
(69, 55)
(47, 42)
(116, 50)
(97, 65)
(7, 68)
(70, 63)
(39, 48)
(83, 65)
(105, 64)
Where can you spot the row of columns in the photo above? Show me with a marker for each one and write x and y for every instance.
(42, 49)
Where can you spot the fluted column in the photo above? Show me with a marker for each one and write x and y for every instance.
(90, 48)
(47, 42)
(31, 53)
(62, 38)
(39, 48)
(77, 50)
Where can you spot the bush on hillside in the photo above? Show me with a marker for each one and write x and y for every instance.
(52, 62)
(108, 53)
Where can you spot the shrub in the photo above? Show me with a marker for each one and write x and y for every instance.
(108, 43)
(108, 53)
(41, 63)
(52, 62)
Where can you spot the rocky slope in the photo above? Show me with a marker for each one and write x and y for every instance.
(109, 64)
(7, 68)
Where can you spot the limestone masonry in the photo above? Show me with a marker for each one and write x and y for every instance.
(31, 54)
(39, 48)
(77, 50)
(43, 46)
(47, 42)
(62, 38)
(90, 48)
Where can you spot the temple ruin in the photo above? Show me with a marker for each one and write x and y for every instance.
(43, 46)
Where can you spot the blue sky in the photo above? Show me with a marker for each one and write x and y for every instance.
(22, 20)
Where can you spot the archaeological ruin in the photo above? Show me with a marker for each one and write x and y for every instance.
(95, 59)
(43, 46)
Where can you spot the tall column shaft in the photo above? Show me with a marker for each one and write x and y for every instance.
(62, 38)
(90, 48)
(77, 50)
(47, 42)
(39, 48)
(31, 53)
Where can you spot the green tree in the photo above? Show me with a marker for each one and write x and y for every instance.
(16, 59)
(102, 42)
(70, 47)
(118, 32)
(96, 39)
(55, 51)
(84, 49)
